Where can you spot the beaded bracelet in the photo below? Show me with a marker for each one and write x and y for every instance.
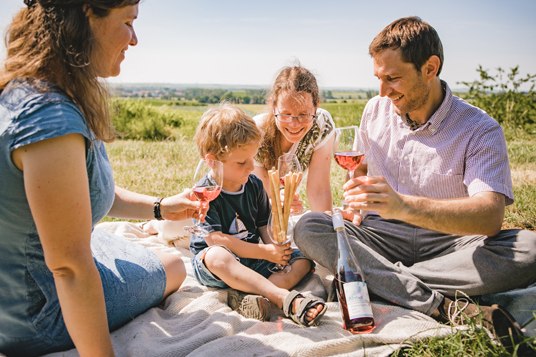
(156, 209)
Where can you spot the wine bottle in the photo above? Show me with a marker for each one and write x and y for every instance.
(350, 284)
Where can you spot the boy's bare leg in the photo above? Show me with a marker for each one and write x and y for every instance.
(224, 265)
(300, 268)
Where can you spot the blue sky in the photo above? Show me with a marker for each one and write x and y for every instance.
(248, 41)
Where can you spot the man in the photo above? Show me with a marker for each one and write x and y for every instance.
(434, 198)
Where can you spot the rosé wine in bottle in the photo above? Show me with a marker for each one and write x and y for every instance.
(351, 287)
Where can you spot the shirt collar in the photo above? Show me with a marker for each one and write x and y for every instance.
(441, 113)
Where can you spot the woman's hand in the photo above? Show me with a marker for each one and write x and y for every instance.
(183, 206)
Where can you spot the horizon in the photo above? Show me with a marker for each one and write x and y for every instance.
(233, 86)
(222, 85)
(207, 43)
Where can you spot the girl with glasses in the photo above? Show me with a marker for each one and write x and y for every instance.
(295, 124)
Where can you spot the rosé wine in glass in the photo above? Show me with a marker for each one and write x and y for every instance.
(208, 181)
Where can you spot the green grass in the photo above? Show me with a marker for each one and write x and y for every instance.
(160, 168)
(163, 168)
(472, 342)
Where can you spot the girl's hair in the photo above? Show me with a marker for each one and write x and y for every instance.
(415, 38)
(223, 129)
(294, 81)
(50, 41)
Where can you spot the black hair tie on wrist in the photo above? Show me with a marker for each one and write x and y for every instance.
(156, 209)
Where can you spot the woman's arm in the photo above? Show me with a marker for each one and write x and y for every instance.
(56, 184)
(318, 178)
(128, 204)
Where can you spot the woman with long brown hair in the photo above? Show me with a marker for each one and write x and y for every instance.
(62, 284)
(295, 124)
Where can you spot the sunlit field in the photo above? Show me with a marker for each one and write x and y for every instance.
(166, 167)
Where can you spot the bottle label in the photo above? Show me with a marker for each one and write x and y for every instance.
(357, 299)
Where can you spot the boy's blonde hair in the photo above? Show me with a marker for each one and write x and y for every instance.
(225, 128)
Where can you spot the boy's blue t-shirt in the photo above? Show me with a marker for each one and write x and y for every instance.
(237, 213)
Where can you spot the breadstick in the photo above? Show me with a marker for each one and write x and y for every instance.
(287, 201)
(278, 219)
(274, 207)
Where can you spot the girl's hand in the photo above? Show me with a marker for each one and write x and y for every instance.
(296, 206)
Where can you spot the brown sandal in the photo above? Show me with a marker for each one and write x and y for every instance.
(300, 315)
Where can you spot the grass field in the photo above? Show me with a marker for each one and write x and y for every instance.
(163, 168)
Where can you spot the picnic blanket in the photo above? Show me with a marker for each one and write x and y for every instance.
(196, 321)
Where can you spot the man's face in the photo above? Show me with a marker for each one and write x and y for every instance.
(401, 82)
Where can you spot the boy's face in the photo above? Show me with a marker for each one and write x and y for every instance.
(237, 166)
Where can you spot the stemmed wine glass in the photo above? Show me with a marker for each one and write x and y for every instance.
(279, 238)
(346, 150)
(290, 174)
(208, 180)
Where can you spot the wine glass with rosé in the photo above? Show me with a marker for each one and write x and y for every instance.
(208, 181)
(346, 149)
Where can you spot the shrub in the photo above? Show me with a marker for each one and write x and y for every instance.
(134, 119)
(502, 96)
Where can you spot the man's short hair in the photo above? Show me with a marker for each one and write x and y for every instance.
(415, 38)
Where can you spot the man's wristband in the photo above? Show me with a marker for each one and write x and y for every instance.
(156, 209)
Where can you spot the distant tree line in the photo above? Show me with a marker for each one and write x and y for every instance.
(213, 96)
(203, 96)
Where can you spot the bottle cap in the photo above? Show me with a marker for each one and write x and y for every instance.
(338, 221)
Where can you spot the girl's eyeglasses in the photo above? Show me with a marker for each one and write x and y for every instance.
(302, 118)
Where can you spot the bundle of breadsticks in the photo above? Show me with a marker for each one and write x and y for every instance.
(281, 210)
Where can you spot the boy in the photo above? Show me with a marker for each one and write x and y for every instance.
(233, 254)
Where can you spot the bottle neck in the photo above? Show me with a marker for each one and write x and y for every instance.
(342, 244)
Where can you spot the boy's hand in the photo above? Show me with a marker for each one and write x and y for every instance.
(279, 254)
